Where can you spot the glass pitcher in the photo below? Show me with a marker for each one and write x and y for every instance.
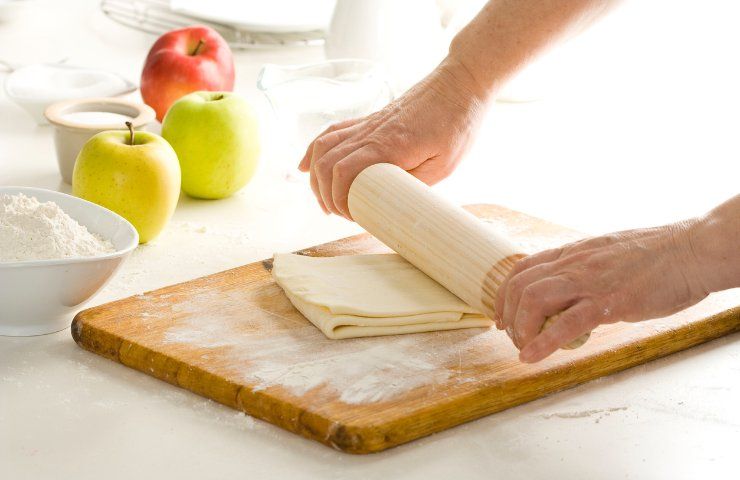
(307, 99)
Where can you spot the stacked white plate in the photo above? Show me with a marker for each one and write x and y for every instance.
(244, 23)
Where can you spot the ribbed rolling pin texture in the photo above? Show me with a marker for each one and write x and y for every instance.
(444, 241)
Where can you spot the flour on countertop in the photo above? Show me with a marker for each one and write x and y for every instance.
(31, 230)
(598, 413)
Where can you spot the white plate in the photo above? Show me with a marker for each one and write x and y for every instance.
(34, 91)
(274, 16)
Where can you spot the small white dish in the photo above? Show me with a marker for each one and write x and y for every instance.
(40, 296)
(73, 127)
(35, 87)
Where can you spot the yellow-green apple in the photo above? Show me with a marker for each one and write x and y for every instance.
(184, 61)
(135, 174)
(216, 138)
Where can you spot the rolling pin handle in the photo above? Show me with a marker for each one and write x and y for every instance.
(439, 238)
(496, 276)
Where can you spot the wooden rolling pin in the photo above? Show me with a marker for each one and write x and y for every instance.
(444, 241)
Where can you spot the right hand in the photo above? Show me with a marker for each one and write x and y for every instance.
(426, 132)
(625, 276)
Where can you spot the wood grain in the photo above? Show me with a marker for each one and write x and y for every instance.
(234, 337)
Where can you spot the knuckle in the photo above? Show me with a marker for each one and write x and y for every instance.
(580, 256)
(514, 288)
(339, 171)
(518, 268)
(594, 264)
(610, 238)
(584, 320)
(320, 143)
(324, 167)
(529, 296)
(555, 253)
(521, 264)
(377, 146)
(398, 137)
(571, 277)
(334, 127)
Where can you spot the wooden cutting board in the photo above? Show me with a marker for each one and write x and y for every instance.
(235, 338)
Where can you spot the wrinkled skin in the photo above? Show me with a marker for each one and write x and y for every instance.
(625, 276)
(426, 132)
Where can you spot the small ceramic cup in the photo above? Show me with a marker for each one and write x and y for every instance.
(76, 121)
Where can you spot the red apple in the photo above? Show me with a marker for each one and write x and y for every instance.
(184, 61)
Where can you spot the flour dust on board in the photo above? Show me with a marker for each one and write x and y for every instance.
(299, 358)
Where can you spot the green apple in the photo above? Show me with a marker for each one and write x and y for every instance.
(135, 174)
(216, 139)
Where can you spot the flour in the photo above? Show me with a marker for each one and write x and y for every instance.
(599, 413)
(265, 350)
(361, 371)
(31, 230)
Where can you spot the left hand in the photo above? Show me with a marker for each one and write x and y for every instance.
(627, 276)
(426, 131)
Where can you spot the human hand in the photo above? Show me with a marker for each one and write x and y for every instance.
(626, 276)
(426, 132)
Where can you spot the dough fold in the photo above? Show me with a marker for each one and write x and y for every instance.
(370, 295)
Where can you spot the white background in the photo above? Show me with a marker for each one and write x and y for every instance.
(637, 124)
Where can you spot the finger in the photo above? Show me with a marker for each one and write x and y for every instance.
(306, 160)
(324, 169)
(514, 289)
(593, 242)
(345, 172)
(520, 266)
(540, 300)
(579, 319)
(328, 150)
(316, 191)
(326, 142)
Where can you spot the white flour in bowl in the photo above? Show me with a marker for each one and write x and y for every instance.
(31, 230)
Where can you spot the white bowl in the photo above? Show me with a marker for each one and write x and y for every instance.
(34, 92)
(38, 297)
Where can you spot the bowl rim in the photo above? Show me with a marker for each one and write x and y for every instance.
(55, 112)
(128, 248)
(36, 99)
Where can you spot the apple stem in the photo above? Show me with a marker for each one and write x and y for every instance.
(131, 131)
(197, 47)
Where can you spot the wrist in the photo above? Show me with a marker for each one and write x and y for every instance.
(713, 240)
(453, 83)
(685, 262)
(463, 72)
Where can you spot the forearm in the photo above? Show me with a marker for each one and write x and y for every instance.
(507, 34)
(714, 240)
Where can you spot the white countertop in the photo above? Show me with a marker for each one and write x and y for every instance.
(642, 133)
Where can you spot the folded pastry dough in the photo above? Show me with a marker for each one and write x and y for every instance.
(369, 295)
